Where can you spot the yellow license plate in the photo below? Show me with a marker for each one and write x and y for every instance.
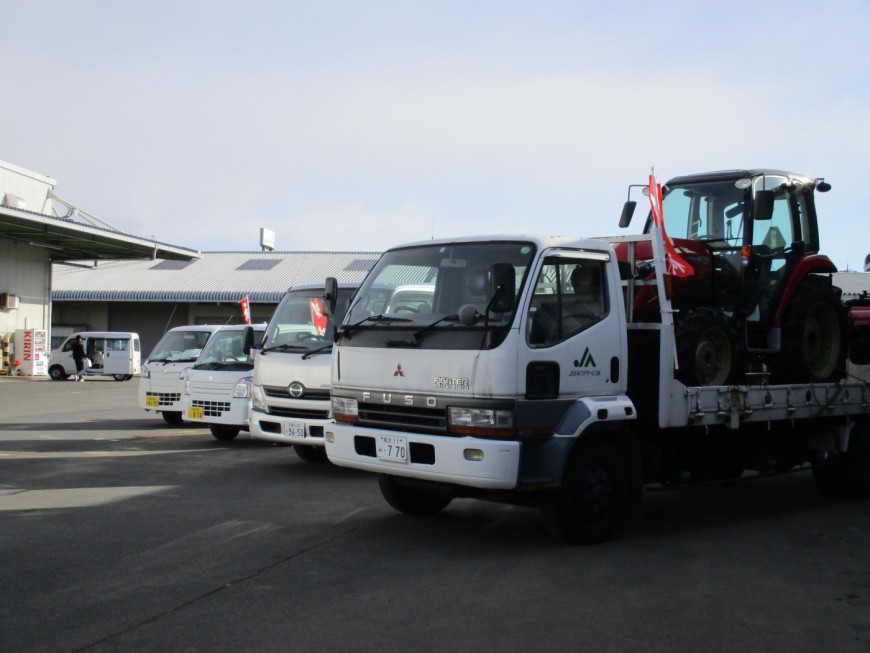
(194, 412)
(152, 402)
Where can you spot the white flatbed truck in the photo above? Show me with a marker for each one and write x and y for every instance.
(529, 381)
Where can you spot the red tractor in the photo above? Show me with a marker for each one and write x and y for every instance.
(759, 297)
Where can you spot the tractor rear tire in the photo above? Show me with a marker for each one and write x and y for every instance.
(813, 336)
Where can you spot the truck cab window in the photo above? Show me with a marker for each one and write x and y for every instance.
(570, 295)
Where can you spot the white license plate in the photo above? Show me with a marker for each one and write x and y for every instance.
(294, 429)
(393, 448)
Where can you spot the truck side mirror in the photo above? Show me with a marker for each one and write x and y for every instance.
(762, 205)
(627, 213)
(502, 288)
(248, 340)
(330, 294)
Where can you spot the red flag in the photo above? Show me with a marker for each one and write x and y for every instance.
(318, 317)
(677, 265)
(246, 310)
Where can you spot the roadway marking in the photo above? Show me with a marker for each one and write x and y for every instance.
(87, 497)
(26, 455)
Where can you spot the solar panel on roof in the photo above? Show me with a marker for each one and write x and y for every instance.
(359, 265)
(259, 264)
(170, 264)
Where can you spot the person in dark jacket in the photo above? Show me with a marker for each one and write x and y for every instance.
(78, 354)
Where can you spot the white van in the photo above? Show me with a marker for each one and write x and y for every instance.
(217, 389)
(161, 385)
(113, 353)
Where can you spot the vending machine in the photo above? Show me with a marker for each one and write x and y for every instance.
(31, 352)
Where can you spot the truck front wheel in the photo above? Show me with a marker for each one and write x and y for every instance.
(224, 432)
(310, 454)
(410, 500)
(593, 498)
(172, 417)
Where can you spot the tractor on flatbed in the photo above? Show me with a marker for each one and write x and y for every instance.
(755, 296)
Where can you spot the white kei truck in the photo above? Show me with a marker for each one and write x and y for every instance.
(532, 380)
(217, 389)
(290, 386)
(161, 384)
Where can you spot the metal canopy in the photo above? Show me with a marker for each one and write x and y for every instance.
(69, 240)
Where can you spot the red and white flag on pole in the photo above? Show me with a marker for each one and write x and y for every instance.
(318, 316)
(677, 265)
(246, 310)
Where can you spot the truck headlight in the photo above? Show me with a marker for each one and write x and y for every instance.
(242, 388)
(345, 409)
(258, 398)
(186, 383)
(146, 373)
(481, 422)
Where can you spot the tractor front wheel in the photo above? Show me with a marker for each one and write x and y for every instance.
(706, 348)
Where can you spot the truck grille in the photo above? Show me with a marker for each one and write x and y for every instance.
(299, 413)
(282, 392)
(400, 417)
(165, 398)
(212, 408)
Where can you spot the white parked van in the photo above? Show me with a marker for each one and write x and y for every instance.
(217, 387)
(290, 391)
(161, 385)
(113, 353)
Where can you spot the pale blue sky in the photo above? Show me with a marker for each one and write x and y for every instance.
(362, 125)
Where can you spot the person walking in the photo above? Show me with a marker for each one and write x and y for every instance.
(78, 354)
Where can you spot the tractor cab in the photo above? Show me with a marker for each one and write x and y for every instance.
(751, 240)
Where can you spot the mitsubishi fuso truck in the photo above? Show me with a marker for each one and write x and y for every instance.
(290, 386)
(546, 371)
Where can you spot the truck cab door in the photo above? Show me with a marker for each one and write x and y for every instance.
(574, 328)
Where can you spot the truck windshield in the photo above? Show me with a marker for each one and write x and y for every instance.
(224, 351)
(300, 322)
(424, 287)
(179, 347)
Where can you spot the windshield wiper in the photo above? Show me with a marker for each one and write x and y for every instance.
(418, 334)
(345, 331)
(285, 346)
(316, 351)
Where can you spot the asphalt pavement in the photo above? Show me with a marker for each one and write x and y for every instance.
(121, 533)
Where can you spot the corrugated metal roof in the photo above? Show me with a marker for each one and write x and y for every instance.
(70, 240)
(215, 277)
(221, 276)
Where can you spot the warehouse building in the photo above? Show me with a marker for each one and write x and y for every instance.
(39, 230)
(151, 296)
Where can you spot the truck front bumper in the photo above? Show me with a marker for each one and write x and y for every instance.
(472, 462)
(287, 430)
